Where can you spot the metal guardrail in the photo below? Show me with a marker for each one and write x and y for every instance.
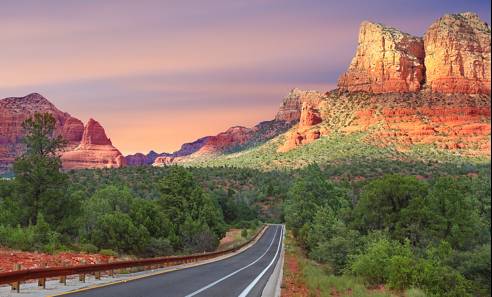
(15, 277)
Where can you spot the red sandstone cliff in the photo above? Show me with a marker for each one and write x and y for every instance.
(453, 57)
(14, 110)
(387, 60)
(457, 54)
(393, 88)
(94, 151)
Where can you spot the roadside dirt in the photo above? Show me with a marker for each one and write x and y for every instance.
(231, 236)
(292, 285)
(27, 260)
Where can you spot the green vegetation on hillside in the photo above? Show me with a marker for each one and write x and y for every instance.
(349, 156)
(398, 230)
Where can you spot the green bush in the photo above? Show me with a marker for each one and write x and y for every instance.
(158, 247)
(439, 280)
(402, 273)
(379, 261)
(88, 248)
(108, 252)
(17, 238)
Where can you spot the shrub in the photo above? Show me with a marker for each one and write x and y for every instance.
(439, 280)
(108, 252)
(88, 248)
(402, 273)
(377, 264)
(17, 238)
(158, 247)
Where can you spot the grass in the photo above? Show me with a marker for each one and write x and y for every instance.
(321, 283)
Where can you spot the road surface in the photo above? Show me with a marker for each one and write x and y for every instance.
(242, 275)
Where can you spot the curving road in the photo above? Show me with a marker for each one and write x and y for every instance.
(242, 275)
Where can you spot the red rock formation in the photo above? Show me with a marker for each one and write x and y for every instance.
(209, 145)
(305, 133)
(451, 122)
(387, 60)
(232, 139)
(14, 110)
(87, 147)
(165, 160)
(72, 131)
(310, 115)
(225, 140)
(457, 54)
(290, 110)
(94, 151)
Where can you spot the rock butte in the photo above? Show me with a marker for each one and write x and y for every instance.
(457, 54)
(94, 151)
(453, 57)
(14, 110)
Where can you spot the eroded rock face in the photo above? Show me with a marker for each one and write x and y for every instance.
(306, 131)
(72, 131)
(310, 115)
(387, 60)
(15, 110)
(290, 109)
(94, 151)
(457, 54)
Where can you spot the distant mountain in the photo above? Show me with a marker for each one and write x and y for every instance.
(402, 98)
(88, 147)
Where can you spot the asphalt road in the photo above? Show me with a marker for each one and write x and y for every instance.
(242, 275)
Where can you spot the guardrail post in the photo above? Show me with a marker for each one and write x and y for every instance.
(63, 278)
(82, 275)
(16, 285)
(97, 274)
(42, 281)
(111, 272)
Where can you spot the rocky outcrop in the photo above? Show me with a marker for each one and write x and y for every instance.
(72, 131)
(94, 151)
(387, 60)
(290, 109)
(223, 141)
(446, 121)
(87, 147)
(457, 54)
(15, 110)
(310, 115)
(306, 131)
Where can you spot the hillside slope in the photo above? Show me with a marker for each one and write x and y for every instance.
(386, 111)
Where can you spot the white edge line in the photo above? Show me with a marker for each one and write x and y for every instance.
(246, 291)
(235, 272)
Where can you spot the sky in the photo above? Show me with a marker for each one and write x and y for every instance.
(157, 74)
